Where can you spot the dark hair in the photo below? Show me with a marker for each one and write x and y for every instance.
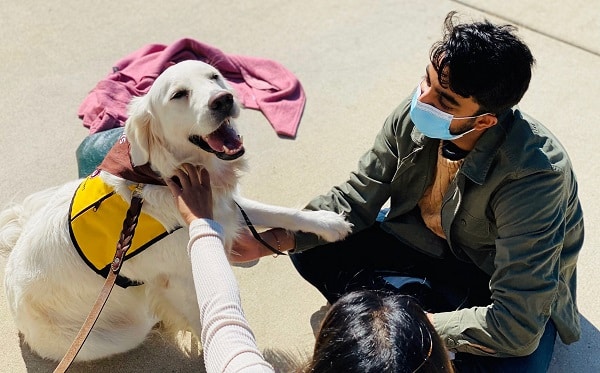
(483, 60)
(368, 332)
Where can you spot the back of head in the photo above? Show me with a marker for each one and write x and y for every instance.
(485, 61)
(371, 332)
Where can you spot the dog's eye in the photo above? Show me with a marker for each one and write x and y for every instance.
(214, 76)
(180, 94)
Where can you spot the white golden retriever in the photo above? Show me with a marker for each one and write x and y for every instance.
(186, 117)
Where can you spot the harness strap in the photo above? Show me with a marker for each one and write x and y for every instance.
(124, 243)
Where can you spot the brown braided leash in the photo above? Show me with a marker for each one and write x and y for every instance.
(129, 225)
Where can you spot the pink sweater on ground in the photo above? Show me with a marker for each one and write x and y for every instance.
(260, 84)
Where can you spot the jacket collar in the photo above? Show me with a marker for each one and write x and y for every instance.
(479, 161)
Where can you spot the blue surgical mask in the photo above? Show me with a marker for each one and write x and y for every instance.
(431, 121)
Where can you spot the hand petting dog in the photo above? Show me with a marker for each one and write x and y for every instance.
(192, 192)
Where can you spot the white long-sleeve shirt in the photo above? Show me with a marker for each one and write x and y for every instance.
(227, 341)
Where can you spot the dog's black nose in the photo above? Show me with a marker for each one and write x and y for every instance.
(221, 102)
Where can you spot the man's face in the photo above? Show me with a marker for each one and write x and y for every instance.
(448, 101)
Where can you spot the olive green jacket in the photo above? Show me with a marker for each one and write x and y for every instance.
(512, 209)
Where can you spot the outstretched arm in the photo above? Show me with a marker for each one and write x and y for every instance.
(227, 340)
(246, 248)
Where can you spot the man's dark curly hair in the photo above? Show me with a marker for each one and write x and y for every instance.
(485, 61)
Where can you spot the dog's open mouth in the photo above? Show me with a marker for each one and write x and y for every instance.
(225, 142)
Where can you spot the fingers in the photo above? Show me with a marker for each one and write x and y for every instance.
(173, 187)
(194, 174)
(182, 177)
(197, 175)
(204, 177)
(190, 171)
(189, 176)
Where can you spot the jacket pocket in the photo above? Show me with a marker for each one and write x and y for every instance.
(469, 225)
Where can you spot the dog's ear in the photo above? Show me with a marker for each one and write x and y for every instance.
(138, 131)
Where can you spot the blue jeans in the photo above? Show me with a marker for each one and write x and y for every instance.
(364, 261)
(538, 361)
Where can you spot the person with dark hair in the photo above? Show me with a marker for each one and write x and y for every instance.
(363, 332)
(484, 223)
(366, 331)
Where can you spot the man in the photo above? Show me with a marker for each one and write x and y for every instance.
(484, 224)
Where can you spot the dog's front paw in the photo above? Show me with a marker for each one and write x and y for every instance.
(327, 224)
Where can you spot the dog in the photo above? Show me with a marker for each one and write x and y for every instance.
(187, 116)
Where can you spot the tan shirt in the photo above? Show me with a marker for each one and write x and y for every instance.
(431, 202)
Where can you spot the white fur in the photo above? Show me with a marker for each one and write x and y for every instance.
(50, 290)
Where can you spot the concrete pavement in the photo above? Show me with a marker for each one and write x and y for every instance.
(356, 61)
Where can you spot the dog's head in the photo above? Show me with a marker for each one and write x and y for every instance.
(186, 117)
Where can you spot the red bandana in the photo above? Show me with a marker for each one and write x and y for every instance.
(118, 162)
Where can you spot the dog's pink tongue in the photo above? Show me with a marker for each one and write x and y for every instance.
(224, 139)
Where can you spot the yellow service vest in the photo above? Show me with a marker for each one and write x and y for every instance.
(95, 223)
